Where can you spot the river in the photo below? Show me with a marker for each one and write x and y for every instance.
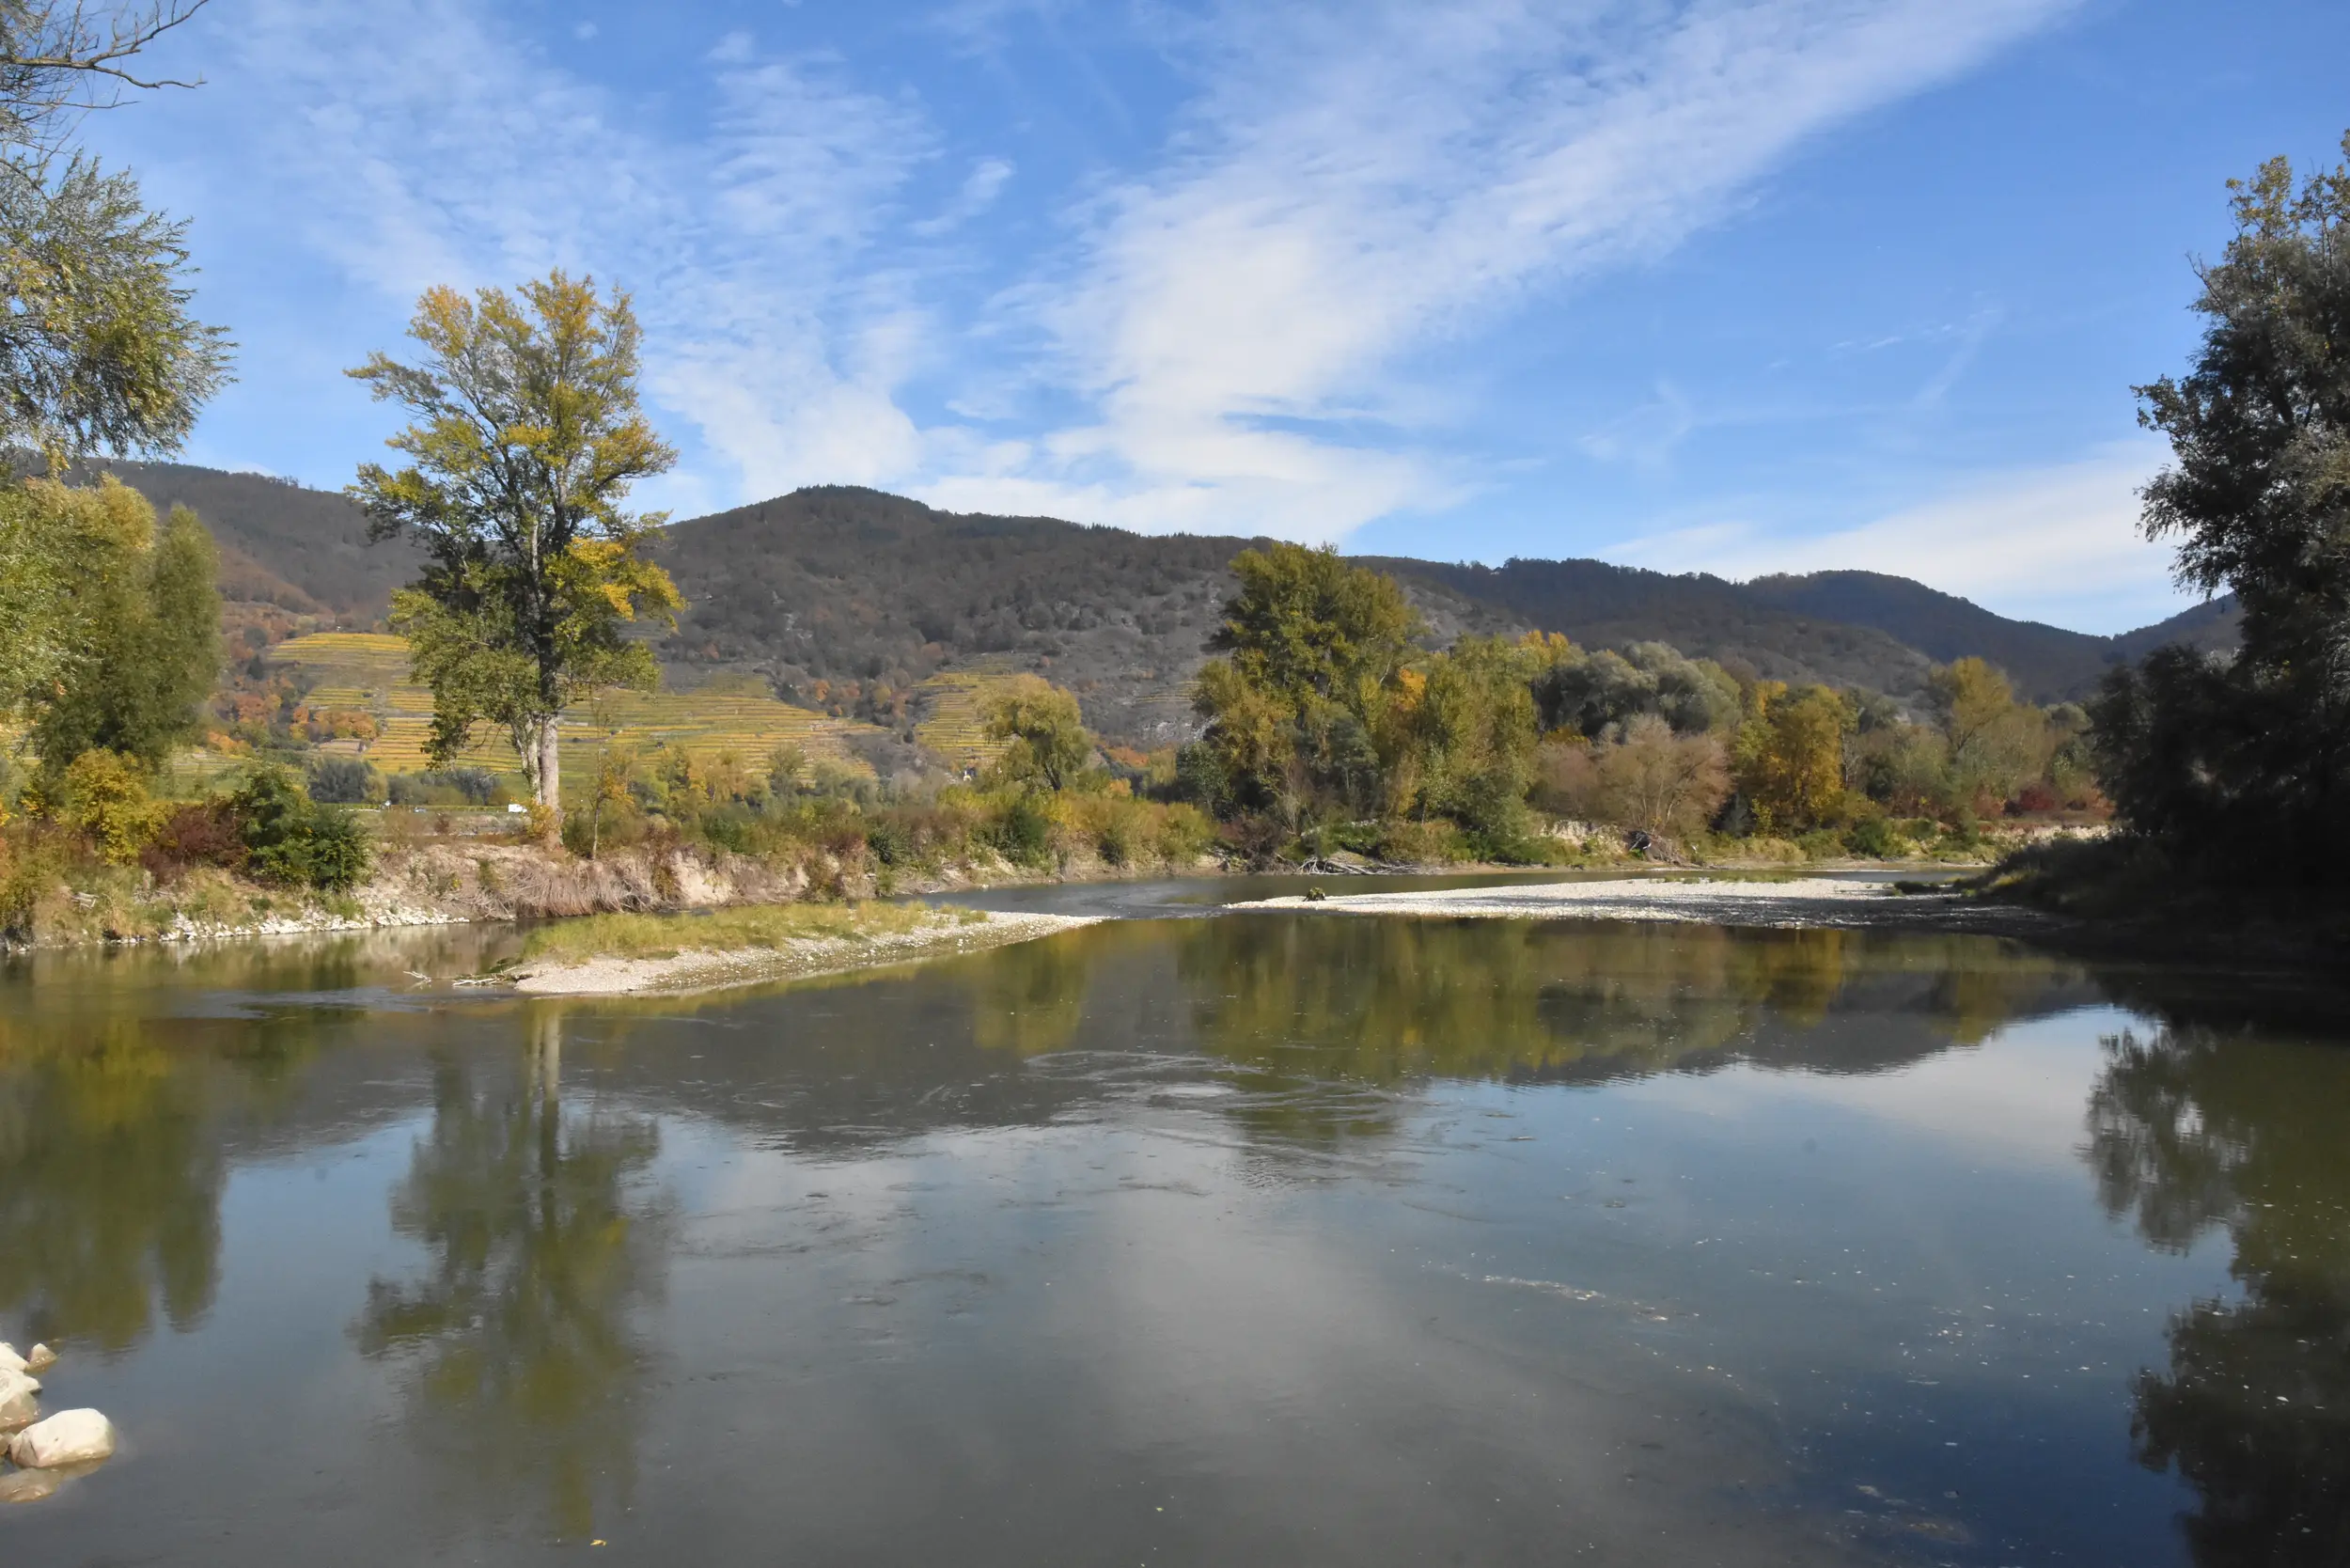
(1258, 1238)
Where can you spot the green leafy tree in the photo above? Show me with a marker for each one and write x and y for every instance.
(98, 351)
(1050, 747)
(1311, 647)
(526, 439)
(1996, 742)
(2254, 751)
(1305, 623)
(1471, 736)
(147, 630)
(64, 557)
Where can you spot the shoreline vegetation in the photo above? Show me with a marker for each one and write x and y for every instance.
(416, 877)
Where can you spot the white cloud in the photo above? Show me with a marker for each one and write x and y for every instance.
(1227, 339)
(425, 145)
(2060, 543)
(1364, 180)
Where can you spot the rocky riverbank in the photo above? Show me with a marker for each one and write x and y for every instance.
(678, 954)
(1793, 902)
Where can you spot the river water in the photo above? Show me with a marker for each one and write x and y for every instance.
(1256, 1238)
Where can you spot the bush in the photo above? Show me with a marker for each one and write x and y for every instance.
(290, 838)
(1429, 843)
(204, 832)
(891, 841)
(1021, 832)
(446, 787)
(1821, 843)
(345, 781)
(1872, 834)
(105, 799)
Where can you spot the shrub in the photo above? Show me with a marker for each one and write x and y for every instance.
(203, 833)
(290, 838)
(1429, 843)
(1872, 835)
(446, 787)
(1021, 832)
(105, 799)
(345, 781)
(891, 840)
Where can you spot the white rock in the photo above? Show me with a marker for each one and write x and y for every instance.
(28, 1486)
(40, 1358)
(17, 1405)
(68, 1437)
(9, 1359)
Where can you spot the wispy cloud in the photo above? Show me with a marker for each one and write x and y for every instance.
(1241, 335)
(2061, 542)
(1364, 181)
(425, 143)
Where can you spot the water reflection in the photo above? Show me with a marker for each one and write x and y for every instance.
(1388, 1002)
(110, 1180)
(528, 1365)
(2194, 1129)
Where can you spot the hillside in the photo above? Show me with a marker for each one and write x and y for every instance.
(1603, 606)
(302, 550)
(853, 603)
(849, 599)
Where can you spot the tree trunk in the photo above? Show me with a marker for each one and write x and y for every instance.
(551, 778)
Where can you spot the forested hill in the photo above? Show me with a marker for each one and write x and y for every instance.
(281, 544)
(846, 598)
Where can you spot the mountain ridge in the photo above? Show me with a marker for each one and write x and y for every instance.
(845, 598)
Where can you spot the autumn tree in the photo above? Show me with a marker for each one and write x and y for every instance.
(525, 440)
(1471, 736)
(1310, 648)
(1790, 755)
(132, 619)
(1048, 744)
(1996, 742)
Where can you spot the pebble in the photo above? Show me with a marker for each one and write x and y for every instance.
(40, 1358)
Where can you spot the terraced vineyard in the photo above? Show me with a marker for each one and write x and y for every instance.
(950, 709)
(368, 672)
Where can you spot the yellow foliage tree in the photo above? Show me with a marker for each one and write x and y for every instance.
(526, 439)
(1790, 755)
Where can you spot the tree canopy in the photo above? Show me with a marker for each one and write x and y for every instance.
(525, 440)
(2257, 498)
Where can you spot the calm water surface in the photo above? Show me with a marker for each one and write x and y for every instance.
(1252, 1239)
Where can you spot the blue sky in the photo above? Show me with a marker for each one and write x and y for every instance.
(1735, 285)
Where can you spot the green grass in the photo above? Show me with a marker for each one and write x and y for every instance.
(736, 930)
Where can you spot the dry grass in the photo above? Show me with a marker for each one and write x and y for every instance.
(738, 930)
(738, 717)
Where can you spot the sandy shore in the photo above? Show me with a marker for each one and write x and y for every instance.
(1802, 902)
(706, 970)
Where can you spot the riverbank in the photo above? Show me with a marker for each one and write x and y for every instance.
(422, 881)
(672, 954)
(1793, 902)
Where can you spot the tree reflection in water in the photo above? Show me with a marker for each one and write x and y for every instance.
(2196, 1129)
(110, 1179)
(1303, 1003)
(544, 1240)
